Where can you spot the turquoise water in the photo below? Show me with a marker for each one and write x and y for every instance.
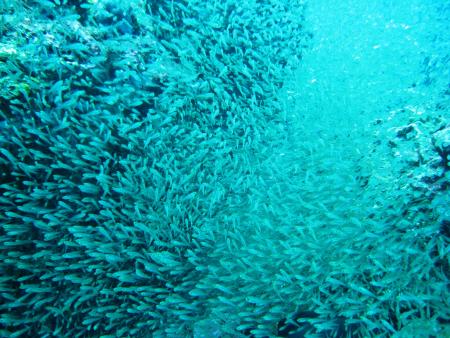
(224, 169)
(370, 54)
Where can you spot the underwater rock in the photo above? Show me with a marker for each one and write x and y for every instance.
(441, 140)
(408, 132)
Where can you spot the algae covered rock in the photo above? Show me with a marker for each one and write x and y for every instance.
(441, 140)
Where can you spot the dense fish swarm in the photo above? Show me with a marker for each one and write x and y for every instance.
(153, 183)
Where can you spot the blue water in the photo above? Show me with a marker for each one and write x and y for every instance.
(366, 56)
